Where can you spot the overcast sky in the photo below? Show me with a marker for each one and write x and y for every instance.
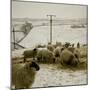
(40, 10)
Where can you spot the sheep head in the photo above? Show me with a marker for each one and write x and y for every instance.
(35, 65)
(32, 64)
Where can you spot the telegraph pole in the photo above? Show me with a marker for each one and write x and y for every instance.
(14, 37)
(51, 16)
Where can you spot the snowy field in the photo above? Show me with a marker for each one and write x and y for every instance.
(60, 33)
(41, 35)
(49, 75)
(56, 75)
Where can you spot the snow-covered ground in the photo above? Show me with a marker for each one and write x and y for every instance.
(60, 33)
(49, 75)
(41, 35)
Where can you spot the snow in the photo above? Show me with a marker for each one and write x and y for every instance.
(62, 33)
(49, 75)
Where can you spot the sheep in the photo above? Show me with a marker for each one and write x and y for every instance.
(30, 54)
(78, 45)
(45, 56)
(75, 51)
(23, 76)
(77, 54)
(57, 51)
(58, 44)
(67, 44)
(50, 47)
(73, 45)
(68, 58)
(72, 49)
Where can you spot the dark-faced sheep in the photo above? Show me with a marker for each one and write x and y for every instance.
(30, 54)
(45, 56)
(23, 76)
(68, 58)
(67, 44)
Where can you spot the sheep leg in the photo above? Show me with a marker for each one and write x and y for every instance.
(54, 60)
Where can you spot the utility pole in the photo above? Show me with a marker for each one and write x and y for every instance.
(51, 16)
(14, 37)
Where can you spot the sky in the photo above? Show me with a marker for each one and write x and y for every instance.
(41, 10)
